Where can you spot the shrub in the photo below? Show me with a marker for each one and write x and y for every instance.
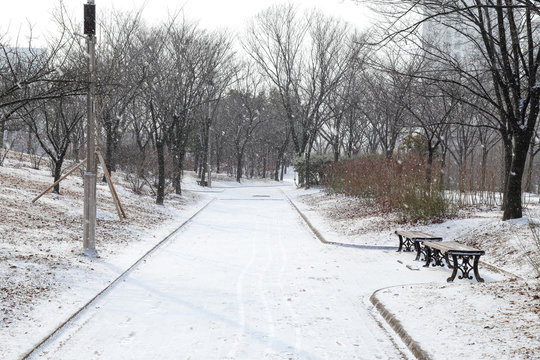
(318, 168)
(394, 186)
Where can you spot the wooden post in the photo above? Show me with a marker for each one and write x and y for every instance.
(116, 200)
(58, 182)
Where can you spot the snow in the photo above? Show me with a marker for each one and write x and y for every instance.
(43, 277)
(470, 319)
(247, 278)
(494, 320)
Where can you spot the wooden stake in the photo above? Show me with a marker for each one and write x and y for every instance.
(58, 182)
(116, 200)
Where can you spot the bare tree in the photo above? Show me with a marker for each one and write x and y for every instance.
(386, 86)
(305, 60)
(53, 123)
(155, 66)
(202, 65)
(242, 109)
(506, 38)
(119, 82)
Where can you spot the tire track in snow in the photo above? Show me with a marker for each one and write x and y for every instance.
(284, 261)
(240, 301)
(269, 260)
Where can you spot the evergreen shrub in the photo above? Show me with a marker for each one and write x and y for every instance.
(318, 168)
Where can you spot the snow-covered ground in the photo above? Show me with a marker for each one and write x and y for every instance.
(43, 276)
(464, 319)
(247, 278)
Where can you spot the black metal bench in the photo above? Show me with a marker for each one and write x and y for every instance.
(409, 240)
(462, 256)
(202, 183)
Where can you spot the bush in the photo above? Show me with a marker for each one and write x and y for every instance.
(394, 186)
(534, 256)
(318, 168)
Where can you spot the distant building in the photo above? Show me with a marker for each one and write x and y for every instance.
(446, 34)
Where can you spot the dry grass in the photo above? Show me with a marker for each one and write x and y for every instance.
(39, 241)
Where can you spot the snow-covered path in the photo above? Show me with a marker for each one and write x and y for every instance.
(246, 279)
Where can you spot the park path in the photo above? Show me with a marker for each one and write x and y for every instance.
(246, 279)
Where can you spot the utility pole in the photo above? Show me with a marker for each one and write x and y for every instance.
(89, 236)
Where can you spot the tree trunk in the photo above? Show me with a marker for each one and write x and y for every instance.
(429, 167)
(472, 177)
(2, 131)
(278, 165)
(29, 142)
(204, 157)
(238, 167)
(75, 148)
(335, 147)
(264, 165)
(513, 206)
(218, 161)
(484, 169)
(176, 181)
(109, 150)
(507, 153)
(180, 168)
(196, 162)
(57, 173)
(307, 178)
(160, 145)
(252, 168)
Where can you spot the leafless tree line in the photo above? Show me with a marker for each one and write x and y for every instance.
(176, 98)
(493, 76)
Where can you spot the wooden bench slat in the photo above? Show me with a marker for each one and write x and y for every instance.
(453, 246)
(416, 234)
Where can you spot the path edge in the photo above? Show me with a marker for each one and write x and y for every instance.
(322, 238)
(56, 331)
(395, 324)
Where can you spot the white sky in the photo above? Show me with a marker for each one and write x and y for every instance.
(15, 15)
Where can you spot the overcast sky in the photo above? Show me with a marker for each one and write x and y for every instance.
(15, 15)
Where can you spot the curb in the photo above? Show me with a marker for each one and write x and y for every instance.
(413, 346)
(324, 241)
(56, 331)
(394, 323)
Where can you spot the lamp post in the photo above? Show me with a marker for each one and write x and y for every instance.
(89, 236)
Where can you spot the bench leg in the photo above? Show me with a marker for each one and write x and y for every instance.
(465, 267)
(447, 260)
(437, 257)
(454, 271)
(418, 248)
(475, 267)
(405, 244)
(400, 243)
(428, 256)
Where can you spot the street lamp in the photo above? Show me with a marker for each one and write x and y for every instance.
(89, 236)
